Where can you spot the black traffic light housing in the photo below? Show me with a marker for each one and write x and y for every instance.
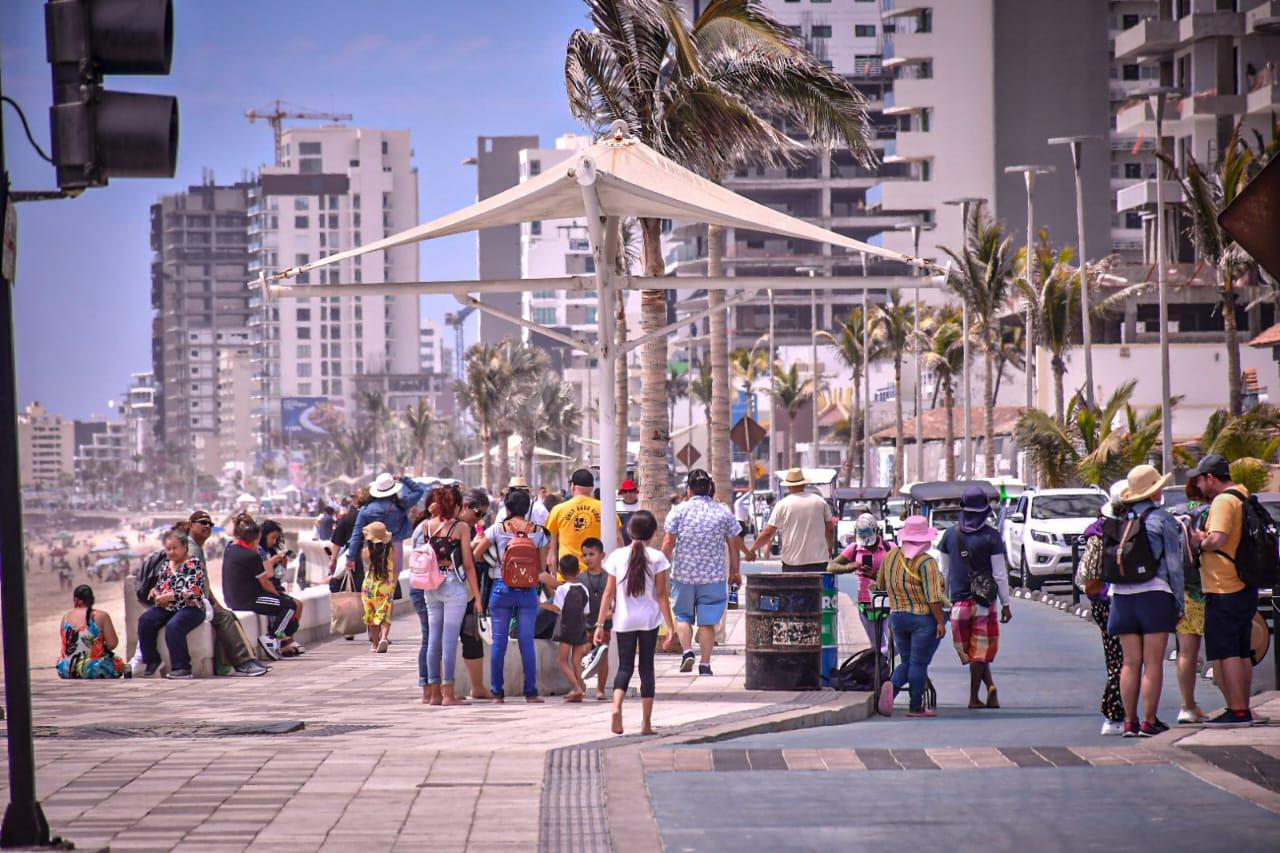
(99, 134)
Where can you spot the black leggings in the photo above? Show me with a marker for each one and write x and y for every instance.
(627, 642)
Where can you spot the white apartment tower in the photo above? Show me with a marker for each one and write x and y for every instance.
(336, 188)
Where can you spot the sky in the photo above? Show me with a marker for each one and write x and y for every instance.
(448, 70)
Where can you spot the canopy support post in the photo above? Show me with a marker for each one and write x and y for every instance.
(604, 242)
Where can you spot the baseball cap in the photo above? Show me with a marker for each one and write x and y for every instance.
(698, 477)
(1212, 464)
(627, 486)
(583, 478)
(199, 516)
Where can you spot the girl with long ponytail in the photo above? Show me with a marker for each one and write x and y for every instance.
(643, 605)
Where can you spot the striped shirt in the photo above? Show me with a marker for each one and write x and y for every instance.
(912, 585)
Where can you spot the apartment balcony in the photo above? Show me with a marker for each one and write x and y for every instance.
(1264, 19)
(1210, 106)
(1151, 37)
(902, 196)
(1209, 25)
(1143, 194)
(910, 146)
(1265, 98)
(1139, 118)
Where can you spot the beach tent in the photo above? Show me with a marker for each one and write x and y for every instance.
(616, 178)
(246, 499)
(515, 447)
(109, 545)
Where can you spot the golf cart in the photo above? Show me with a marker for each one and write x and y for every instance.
(822, 481)
(852, 502)
(939, 501)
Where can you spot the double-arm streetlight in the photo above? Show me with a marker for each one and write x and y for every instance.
(813, 352)
(966, 203)
(1029, 174)
(915, 227)
(1077, 144)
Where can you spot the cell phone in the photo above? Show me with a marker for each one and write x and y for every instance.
(866, 561)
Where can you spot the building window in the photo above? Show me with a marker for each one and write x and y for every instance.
(304, 350)
(301, 222)
(535, 228)
(863, 31)
(309, 166)
(308, 147)
(386, 149)
(1132, 220)
(1133, 170)
(535, 168)
(304, 389)
(820, 31)
(304, 333)
(355, 201)
(1131, 72)
(544, 316)
(592, 314)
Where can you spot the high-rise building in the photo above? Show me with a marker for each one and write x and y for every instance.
(198, 275)
(235, 409)
(433, 355)
(139, 410)
(497, 163)
(46, 447)
(336, 188)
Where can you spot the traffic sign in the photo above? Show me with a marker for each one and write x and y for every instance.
(747, 434)
(688, 455)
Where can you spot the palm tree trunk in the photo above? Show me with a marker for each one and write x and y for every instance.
(1059, 391)
(949, 452)
(1232, 335)
(791, 440)
(721, 461)
(504, 458)
(529, 472)
(622, 392)
(899, 442)
(988, 416)
(655, 429)
(855, 424)
(486, 463)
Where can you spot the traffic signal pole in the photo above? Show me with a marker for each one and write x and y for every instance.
(24, 822)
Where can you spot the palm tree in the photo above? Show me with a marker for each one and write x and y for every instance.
(944, 355)
(893, 330)
(545, 414)
(481, 392)
(982, 276)
(705, 95)
(1055, 304)
(790, 393)
(1205, 195)
(1095, 446)
(375, 408)
(420, 421)
(700, 386)
(677, 387)
(521, 365)
(848, 345)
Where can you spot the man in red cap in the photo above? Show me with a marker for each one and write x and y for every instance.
(629, 495)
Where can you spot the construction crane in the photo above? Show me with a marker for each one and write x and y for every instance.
(456, 319)
(276, 115)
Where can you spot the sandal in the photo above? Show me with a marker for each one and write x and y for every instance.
(993, 700)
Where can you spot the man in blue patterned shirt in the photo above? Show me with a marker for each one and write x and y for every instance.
(699, 531)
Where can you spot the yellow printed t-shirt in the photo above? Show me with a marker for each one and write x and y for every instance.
(574, 522)
(1226, 515)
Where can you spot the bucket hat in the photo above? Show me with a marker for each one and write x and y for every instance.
(916, 535)
(974, 509)
(376, 531)
(1145, 482)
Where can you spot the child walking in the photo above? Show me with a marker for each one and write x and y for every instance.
(638, 598)
(379, 585)
(572, 602)
(595, 580)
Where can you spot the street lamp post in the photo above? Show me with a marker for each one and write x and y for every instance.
(866, 380)
(773, 447)
(813, 354)
(965, 203)
(915, 228)
(1029, 175)
(1086, 333)
(1158, 97)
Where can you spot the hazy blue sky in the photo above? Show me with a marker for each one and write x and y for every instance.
(448, 70)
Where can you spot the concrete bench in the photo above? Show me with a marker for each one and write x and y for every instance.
(551, 681)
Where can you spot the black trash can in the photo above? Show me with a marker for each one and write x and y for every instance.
(784, 631)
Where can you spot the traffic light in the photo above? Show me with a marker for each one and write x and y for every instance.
(98, 134)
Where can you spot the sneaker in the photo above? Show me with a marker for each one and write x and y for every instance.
(595, 657)
(150, 670)
(1229, 719)
(885, 705)
(1152, 729)
(180, 675)
(704, 669)
(917, 712)
(1190, 716)
(1112, 727)
(249, 669)
(1131, 729)
(270, 645)
(223, 670)
(687, 662)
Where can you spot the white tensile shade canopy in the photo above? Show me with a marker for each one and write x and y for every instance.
(615, 178)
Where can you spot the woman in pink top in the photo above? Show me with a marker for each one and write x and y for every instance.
(864, 556)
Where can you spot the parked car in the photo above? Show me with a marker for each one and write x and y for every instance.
(1040, 531)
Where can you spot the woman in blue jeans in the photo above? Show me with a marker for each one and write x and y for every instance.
(504, 602)
(445, 606)
(916, 594)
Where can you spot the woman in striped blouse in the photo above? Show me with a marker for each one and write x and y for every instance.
(916, 592)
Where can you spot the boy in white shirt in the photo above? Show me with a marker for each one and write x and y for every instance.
(572, 602)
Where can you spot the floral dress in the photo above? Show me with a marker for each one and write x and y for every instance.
(85, 654)
(378, 597)
(186, 582)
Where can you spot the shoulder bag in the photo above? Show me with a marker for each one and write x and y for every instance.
(346, 610)
(982, 585)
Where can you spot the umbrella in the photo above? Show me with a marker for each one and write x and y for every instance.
(246, 498)
(108, 546)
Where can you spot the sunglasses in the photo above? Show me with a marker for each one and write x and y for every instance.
(203, 521)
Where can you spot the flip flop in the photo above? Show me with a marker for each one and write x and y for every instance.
(993, 698)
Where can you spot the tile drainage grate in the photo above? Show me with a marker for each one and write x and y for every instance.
(572, 810)
(203, 730)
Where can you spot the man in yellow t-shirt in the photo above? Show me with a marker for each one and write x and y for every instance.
(1229, 603)
(571, 523)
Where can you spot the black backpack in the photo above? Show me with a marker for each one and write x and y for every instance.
(858, 672)
(1127, 557)
(149, 574)
(1257, 560)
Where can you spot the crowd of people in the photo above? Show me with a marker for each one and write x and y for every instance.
(529, 567)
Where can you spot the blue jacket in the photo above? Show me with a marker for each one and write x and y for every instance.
(1165, 534)
(392, 511)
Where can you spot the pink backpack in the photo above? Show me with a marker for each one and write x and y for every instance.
(424, 568)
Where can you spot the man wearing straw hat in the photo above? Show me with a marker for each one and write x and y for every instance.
(807, 525)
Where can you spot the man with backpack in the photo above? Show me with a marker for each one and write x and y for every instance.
(1237, 555)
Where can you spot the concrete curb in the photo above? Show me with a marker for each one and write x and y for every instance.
(1058, 602)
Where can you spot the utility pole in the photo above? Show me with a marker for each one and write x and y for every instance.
(1158, 98)
(1086, 332)
(915, 227)
(1029, 175)
(966, 204)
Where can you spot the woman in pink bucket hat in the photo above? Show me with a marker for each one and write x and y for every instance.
(917, 593)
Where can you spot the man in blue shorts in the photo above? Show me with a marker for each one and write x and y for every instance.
(699, 532)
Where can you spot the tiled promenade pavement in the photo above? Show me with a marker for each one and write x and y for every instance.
(157, 765)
